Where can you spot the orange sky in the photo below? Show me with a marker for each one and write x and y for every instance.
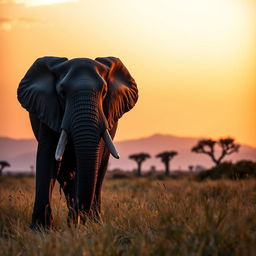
(194, 60)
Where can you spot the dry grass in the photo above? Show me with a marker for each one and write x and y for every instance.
(141, 217)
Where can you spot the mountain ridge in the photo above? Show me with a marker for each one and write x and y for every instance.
(21, 153)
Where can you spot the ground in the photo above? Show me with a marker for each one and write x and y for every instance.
(142, 216)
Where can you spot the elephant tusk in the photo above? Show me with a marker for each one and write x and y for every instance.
(61, 145)
(108, 140)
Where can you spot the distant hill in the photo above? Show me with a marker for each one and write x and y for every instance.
(21, 153)
(159, 142)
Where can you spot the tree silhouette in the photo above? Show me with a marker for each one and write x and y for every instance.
(190, 168)
(226, 145)
(139, 159)
(3, 164)
(166, 157)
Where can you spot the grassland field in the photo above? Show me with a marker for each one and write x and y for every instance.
(141, 216)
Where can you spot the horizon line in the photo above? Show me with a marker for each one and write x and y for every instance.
(148, 136)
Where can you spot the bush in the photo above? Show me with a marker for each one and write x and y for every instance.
(118, 174)
(240, 170)
(245, 169)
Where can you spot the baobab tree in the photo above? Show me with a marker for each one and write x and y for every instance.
(139, 159)
(166, 157)
(3, 164)
(227, 147)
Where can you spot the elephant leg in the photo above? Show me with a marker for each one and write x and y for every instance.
(101, 174)
(67, 179)
(46, 172)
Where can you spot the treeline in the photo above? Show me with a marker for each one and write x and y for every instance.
(240, 170)
(243, 169)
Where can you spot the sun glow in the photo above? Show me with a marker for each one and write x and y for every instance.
(30, 3)
(194, 60)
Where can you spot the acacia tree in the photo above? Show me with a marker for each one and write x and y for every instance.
(3, 164)
(139, 159)
(166, 157)
(227, 147)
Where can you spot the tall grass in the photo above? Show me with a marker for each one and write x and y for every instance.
(141, 217)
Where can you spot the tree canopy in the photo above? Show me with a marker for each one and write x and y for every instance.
(226, 145)
(139, 158)
(3, 164)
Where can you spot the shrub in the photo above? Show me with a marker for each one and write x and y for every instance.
(240, 170)
(245, 169)
(118, 174)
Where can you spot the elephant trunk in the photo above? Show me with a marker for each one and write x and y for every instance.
(86, 128)
(87, 160)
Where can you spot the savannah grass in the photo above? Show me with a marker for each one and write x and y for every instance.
(141, 216)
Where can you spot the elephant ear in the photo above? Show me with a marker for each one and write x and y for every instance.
(37, 92)
(122, 91)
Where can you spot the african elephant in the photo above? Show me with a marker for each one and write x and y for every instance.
(74, 105)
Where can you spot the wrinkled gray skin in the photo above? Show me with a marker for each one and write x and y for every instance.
(84, 97)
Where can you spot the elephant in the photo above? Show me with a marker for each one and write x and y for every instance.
(74, 106)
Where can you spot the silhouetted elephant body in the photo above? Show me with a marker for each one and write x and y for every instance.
(74, 105)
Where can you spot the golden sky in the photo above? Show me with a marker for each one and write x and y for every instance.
(194, 60)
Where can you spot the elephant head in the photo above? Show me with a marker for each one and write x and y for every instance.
(81, 99)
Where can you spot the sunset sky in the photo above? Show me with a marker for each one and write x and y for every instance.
(194, 60)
